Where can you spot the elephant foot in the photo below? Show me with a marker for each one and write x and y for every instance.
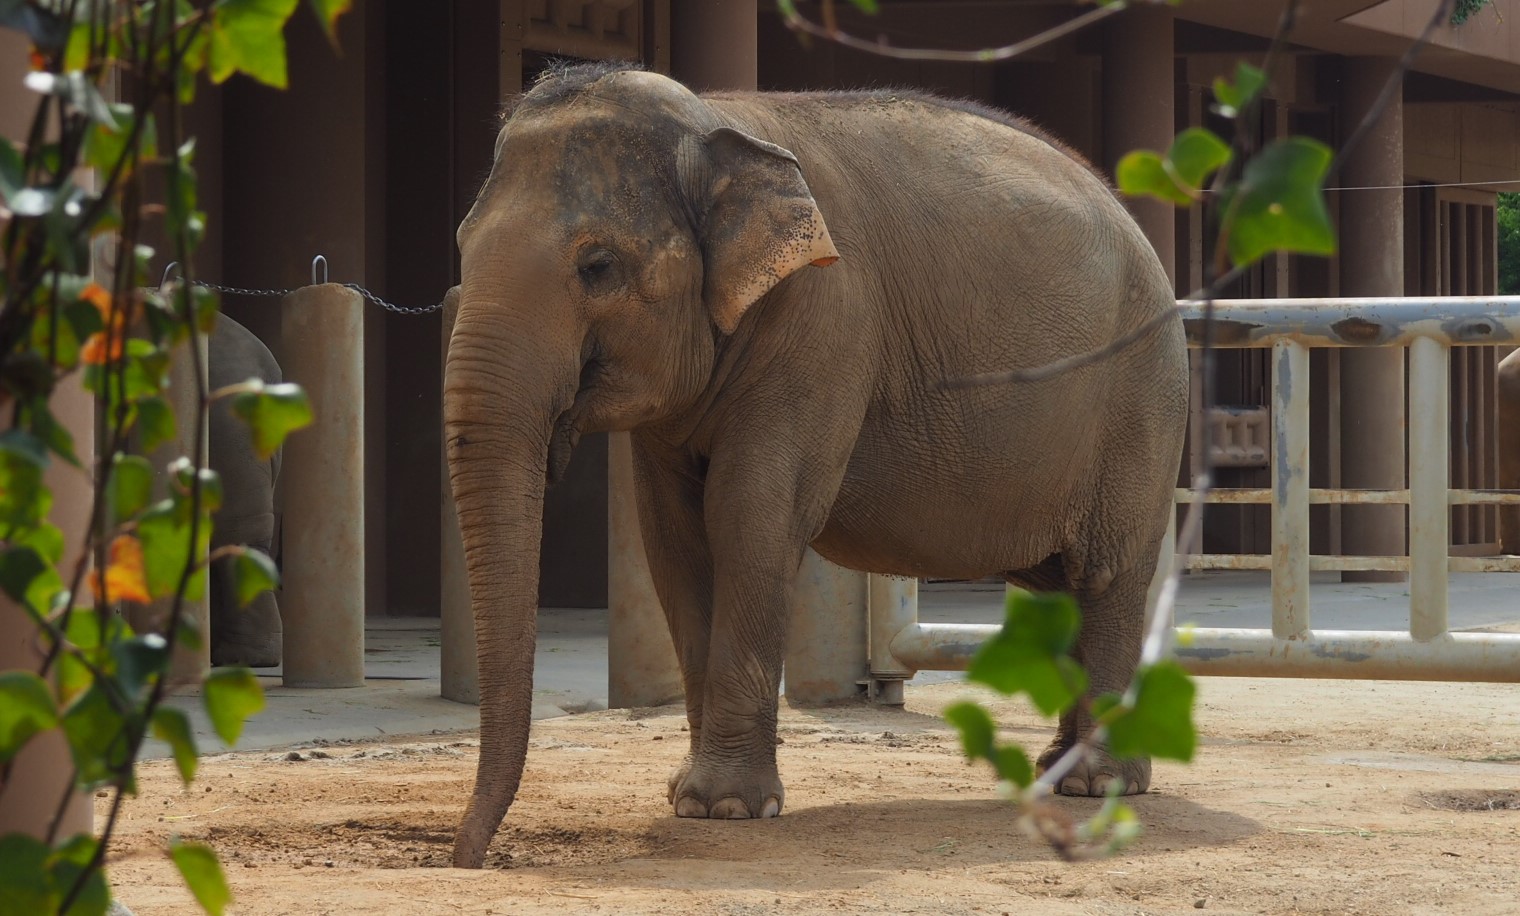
(725, 791)
(252, 651)
(1095, 775)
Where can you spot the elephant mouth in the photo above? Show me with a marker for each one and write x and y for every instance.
(567, 426)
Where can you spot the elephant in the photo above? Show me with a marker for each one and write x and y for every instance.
(770, 293)
(1508, 399)
(252, 635)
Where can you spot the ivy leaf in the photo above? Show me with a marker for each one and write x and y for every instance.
(197, 864)
(1178, 177)
(186, 474)
(98, 736)
(125, 577)
(253, 573)
(1160, 723)
(26, 708)
(24, 500)
(1231, 98)
(172, 726)
(24, 875)
(29, 580)
(131, 486)
(231, 695)
(248, 36)
(165, 533)
(978, 740)
(1029, 654)
(71, 860)
(1280, 203)
(155, 422)
(327, 12)
(272, 412)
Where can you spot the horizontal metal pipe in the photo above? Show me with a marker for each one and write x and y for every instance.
(1353, 654)
(1348, 654)
(1370, 322)
(1260, 496)
(1319, 563)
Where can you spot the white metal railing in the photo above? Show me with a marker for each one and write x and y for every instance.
(1429, 327)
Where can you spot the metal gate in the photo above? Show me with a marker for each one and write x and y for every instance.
(1429, 328)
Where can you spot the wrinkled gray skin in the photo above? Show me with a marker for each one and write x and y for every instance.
(639, 260)
(251, 635)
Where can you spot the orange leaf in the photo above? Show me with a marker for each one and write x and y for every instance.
(98, 296)
(96, 353)
(125, 579)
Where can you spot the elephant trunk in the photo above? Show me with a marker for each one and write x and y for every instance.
(498, 435)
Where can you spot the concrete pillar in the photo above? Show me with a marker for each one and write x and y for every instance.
(641, 659)
(1139, 103)
(40, 774)
(714, 44)
(459, 675)
(1509, 448)
(322, 479)
(1372, 264)
(826, 645)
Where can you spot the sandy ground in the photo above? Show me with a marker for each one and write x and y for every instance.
(1305, 797)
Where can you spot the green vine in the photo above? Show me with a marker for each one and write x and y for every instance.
(1466, 9)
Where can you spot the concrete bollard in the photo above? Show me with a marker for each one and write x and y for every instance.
(459, 669)
(826, 647)
(184, 396)
(641, 659)
(38, 777)
(322, 478)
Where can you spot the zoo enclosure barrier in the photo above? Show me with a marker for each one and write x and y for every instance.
(900, 645)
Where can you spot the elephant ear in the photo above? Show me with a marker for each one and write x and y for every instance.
(761, 226)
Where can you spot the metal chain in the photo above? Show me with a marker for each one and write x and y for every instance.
(247, 291)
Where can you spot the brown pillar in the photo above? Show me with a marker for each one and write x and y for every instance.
(1139, 105)
(39, 776)
(1372, 264)
(714, 43)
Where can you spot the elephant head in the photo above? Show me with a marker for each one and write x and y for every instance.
(622, 234)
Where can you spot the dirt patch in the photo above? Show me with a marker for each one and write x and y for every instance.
(1307, 797)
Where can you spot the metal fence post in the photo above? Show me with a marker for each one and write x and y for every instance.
(1429, 480)
(826, 646)
(322, 476)
(893, 608)
(1290, 490)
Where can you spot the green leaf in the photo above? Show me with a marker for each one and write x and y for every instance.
(50, 432)
(869, 7)
(29, 580)
(155, 422)
(1029, 654)
(12, 169)
(1231, 98)
(327, 12)
(76, 89)
(164, 530)
(185, 474)
(46, 539)
(253, 573)
(172, 726)
(24, 886)
(24, 500)
(1142, 173)
(1195, 155)
(131, 486)
(106, 144)
(1013, 766)
(98, 734)
(203, 875)
(26, 708)
(139, 661)
(272, 412)
(248, 36)
(1160, 724)
(1177, 178)
(231, 695)
(1280, 203)
(71, 860)
(976, 728)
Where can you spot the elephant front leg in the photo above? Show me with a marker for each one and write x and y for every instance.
(732, 772)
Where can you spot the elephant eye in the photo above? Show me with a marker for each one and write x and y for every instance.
(596, 267)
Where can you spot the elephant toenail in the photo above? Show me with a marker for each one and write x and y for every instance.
(772, 808)
(1073, 785)
(690, 807)
(732, 809)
